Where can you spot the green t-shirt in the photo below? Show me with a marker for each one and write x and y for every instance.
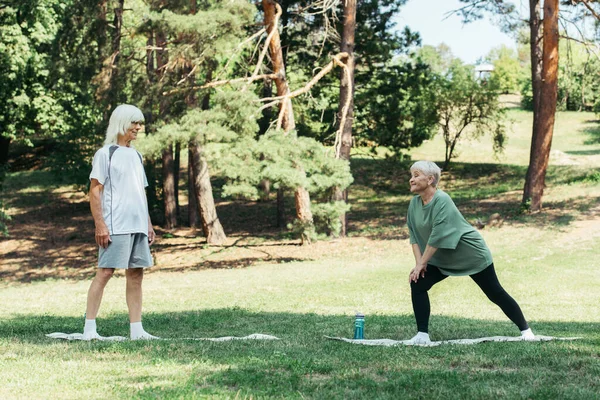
(461, 249)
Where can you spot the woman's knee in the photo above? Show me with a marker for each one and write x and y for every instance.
(419, 286)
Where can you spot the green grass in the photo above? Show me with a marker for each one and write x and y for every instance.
(547, 262)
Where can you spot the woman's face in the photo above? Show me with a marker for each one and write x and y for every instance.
(419, 182)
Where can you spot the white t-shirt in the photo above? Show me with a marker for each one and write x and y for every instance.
(124, 204)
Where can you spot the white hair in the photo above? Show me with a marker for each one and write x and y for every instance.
(428, 168)
(120, 121)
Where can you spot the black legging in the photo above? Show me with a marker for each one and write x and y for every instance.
(486, 280)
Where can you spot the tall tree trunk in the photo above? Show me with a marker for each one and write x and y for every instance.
(176, 167)
(107, 80)
(4, 146)
(115, 89)
(193, 214)
(211, 226)
(150, 162)
(280, 208)
(168, 177)
(168, 168)
(346, 94)
(301, 195)
(544, 122)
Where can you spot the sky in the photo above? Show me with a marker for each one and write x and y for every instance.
(469, 42)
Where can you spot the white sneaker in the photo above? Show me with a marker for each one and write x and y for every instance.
(421, 338)
(527, 334)
(144, 336)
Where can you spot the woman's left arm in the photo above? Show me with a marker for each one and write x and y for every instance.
(419, 270)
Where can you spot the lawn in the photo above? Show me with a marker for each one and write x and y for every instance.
(263, 282)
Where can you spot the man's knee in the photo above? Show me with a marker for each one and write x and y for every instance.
(104, 274)
(135, 275)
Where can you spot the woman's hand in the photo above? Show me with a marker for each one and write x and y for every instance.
(417, 272)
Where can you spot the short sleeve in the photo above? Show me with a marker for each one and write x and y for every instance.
(100, 167)
(445, 232)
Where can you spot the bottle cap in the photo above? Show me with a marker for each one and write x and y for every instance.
(360, 315)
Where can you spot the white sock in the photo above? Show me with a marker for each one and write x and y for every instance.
(138, 332)
(89, 330)
(90, 326)
(527, 334)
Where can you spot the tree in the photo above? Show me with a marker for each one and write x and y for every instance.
(466, 107)
(544, 78)
(346, 106)
(543, 130)
(272, 11)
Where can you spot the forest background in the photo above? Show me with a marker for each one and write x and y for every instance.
(267, 178)
(199, 73)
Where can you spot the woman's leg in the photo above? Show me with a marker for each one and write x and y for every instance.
(488, 282)
(420, 298)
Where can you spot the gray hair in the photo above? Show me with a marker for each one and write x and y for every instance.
(429, 168)
(120, 121)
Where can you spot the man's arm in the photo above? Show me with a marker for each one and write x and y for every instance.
(151, 234)
(102, 235)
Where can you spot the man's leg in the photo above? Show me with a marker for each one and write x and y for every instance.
(133, 295)
(94, 299)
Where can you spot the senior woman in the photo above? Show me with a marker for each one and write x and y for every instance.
(445, 244)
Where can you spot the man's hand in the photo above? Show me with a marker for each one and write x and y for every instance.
(102, 236)
(417, 272)
(151, 235)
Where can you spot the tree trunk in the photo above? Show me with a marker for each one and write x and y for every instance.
(168, 167)
(544, 121)
(280, 208)
(4, 146)
(168, 176)
(301, 195)
(193, 215)
(176, 167)
(211, 226)
(346, 94)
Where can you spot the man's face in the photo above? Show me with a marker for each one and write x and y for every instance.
(133, 130)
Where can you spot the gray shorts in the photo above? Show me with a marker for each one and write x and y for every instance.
(130, 250)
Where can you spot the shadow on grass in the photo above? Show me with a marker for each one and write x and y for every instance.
(594, 132)
(305, 364)
(52, 231)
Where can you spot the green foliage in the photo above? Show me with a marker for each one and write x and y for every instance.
(508, 73)
(28, 104)
(408, 90)
(467, 107)
(327, 216)
(578, 84)
(379, 77)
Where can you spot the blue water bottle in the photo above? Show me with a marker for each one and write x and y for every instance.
(359, 326)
